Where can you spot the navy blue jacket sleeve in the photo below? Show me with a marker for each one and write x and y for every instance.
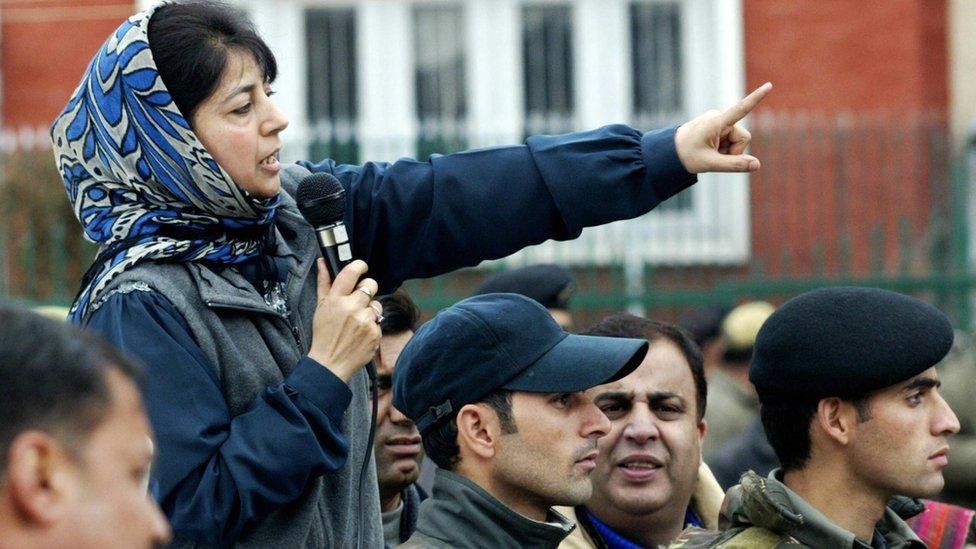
(216, 474)
(412, 219)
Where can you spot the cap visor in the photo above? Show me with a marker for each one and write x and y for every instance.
(579, 362)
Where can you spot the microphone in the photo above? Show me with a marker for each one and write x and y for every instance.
(322, 202)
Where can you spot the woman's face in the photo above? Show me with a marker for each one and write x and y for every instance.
(239, 126)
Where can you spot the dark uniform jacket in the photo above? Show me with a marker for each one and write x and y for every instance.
(762, 513)
(460, 514)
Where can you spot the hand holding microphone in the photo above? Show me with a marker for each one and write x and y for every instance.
(345, 328)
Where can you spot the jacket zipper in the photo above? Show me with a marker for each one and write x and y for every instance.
(292, 328)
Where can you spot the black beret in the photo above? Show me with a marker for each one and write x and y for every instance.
(846, 342)
(549, 285)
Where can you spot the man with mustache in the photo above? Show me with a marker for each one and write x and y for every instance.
(397, 447)
(851, 405)
(496, 388)
(649, 482)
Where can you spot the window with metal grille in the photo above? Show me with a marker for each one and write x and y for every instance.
(656, 70)
(439, 78)
(330, 38)
(547, 61)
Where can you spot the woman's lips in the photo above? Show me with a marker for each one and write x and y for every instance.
(271, 163)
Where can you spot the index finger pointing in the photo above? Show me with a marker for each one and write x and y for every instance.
(742, 108)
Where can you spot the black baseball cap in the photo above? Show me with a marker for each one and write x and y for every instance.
(500, 341)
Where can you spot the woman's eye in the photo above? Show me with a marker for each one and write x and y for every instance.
(243, 109)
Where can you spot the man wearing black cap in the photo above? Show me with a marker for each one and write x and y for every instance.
(850, 404)
(551, 285)
(496, 388)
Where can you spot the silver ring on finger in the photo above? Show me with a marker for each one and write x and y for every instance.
(379, 313)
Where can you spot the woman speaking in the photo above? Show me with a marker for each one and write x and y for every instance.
(208, 273)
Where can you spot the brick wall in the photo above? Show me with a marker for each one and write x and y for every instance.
(46, 45)
(859, 55)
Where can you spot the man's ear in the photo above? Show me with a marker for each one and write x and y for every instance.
(477, 430)
(702, 430)
(40, 477)
(836, 419)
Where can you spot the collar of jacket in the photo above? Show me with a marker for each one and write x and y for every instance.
(412, 496)
(230, 290)
(462, 514)
(768, 503)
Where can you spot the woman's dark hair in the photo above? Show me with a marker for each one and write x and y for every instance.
(787, 427)
(400, 313)
(189, 43)
(440, 443)
(628, 325)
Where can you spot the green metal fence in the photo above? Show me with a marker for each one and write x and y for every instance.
(878, 200)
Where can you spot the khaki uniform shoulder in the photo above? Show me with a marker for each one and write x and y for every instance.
(752, 537)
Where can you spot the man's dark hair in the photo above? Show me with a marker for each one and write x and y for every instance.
(440, 443)
(628, 325)
(787, 427)
(190, 42)
(53, 378)
(400, 313)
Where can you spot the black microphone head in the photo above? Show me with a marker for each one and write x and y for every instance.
(321, 199)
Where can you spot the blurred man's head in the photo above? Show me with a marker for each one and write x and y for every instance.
(550, 285)
(705, 328)
(496, 388)
(397, 446)
(648, 464)
(848, 387)
(739, 330)
(75, 443)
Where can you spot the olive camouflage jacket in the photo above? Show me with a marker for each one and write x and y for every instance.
(762, 513)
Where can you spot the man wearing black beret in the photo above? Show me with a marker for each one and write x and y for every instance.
(549, 284)
(851, 405)
(496, 388)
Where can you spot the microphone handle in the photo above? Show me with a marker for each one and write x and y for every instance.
(335, 247)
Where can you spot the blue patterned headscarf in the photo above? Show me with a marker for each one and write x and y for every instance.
(139, 180)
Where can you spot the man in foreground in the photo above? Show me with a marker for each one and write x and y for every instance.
(851, 405)
(496, 388)
(397, 447)
(75, 443)
(649, 483)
